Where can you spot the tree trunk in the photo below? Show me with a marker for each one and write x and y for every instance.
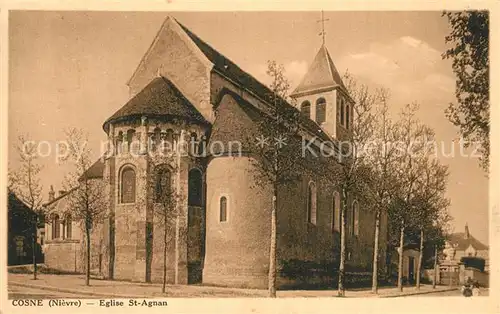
(400, 262)
(375, 253)
(435, 267)
(420, 257)
(341, 288)
(34, 248)
(163, 288)
(87, 271)
(272, 248)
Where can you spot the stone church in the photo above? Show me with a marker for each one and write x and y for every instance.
(183, 89)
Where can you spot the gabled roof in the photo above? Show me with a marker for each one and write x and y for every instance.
(321, 74)
(234, 124)
(228, 68)
(461, 242)
(231, 71)
(59, 203)
(159, 98)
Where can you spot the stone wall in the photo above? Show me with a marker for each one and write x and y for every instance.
(237, 250)
(64, 255)
(175, 56)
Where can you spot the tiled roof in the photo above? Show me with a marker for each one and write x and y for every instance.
(321, 74)
(462, 243)
(159, 98)
(95, 171)
(234, 125)
(59, 203)
(229, 68)
(235, 73)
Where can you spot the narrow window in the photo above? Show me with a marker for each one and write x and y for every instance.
(355, 218)
(128, 185)
(342, 109)
(69, 230)
(163, 184)
(311, 203)
(336, 212)
(156, 139)
(195, 186)
(56, 227)
(119, 143)
(130, 138)
(169, 138)
(320, 110)
(305, 109)
(223, 209)
(347, 120)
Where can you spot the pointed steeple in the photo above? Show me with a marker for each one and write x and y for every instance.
(51, 193)
(466, 234)
(322, 74)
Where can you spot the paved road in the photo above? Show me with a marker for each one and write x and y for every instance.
(32, 293)
(454, 293)
(35, 293)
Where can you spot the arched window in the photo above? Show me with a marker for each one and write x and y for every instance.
(163, 185)
(311, 203)
(69, 228)
(342, 109)
(128, 185)
(355, 218)
(336, 212)
(195, 187)
(202, 145)
(156, 139)
(321, 110)
(305, 109)
(119, 143)
(193, 145)
(347, 120)
(56, 226)
(131, 140)
(223, 209)
(169, 140)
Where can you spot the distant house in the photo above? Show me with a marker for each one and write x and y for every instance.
(462, 244)
(63, 239)
(20, 232)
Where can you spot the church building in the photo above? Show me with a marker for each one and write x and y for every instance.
(184, 91)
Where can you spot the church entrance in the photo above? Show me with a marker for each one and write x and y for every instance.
(196, 226)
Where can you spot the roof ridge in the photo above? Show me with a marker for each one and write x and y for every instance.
(327, 56)
(153, 42)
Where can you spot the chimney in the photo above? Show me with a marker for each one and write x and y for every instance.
(51, 194)
(61, 192)
(466, 234)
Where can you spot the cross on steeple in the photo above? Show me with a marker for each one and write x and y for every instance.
(323, 33)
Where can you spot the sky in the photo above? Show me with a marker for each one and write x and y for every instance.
(69, 69)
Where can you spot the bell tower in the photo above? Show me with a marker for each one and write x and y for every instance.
(322, 96)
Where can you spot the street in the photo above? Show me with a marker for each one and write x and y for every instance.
(454, 293)
(32, 293)
(16, 292)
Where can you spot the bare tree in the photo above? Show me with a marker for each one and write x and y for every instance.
(353, 174)
(413, 149)
(379, 162)
(25, 183)
(87, 199)
(277, 164)
(167, 199)
(431, 204)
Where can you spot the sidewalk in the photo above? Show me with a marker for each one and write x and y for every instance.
(121, 289)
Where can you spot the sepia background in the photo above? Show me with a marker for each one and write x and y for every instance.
(69, 69)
